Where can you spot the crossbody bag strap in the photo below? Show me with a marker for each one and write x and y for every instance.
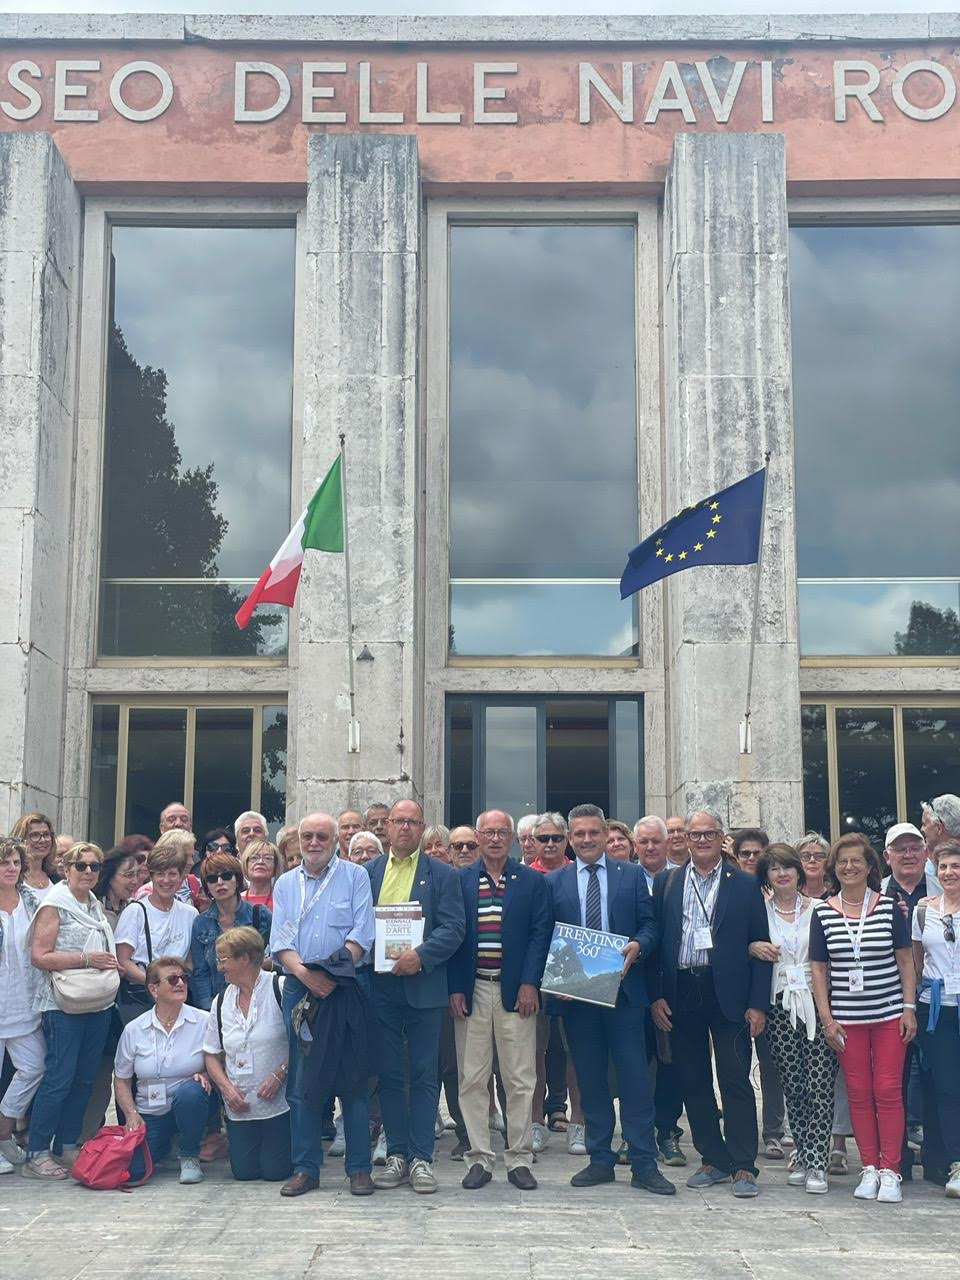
(146, 930)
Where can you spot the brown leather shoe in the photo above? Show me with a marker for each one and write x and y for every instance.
(299, 1185)
(361, 1184)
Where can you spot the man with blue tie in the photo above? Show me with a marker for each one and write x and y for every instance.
(598, 893)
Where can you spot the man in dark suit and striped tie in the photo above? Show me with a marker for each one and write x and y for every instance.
(600, 893)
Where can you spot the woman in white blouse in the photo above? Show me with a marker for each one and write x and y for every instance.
(806, 1064)
(246, 1056)
(157, 925)
(163, 1048)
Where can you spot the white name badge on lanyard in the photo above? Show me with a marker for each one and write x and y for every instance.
(157, 1095)
(703, 938)
(243, 1065)
(855, 977)
(796, 976)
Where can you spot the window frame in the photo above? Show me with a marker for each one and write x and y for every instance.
(132, 702)
(101, 214)
(877, 211)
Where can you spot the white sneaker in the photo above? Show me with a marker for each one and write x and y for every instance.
(889, 1192)
(953, 1181)
(438, 1129)
(797, 1177)
(380, 1150)
(540, 1138)
(576, 1140)
(190, 1170)
(869, 1184)
(5, 1165)
(816, 1183)
(339, 1144)
(422, 1178)
(12, 1152)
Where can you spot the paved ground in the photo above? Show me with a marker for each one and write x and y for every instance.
(224, 1229)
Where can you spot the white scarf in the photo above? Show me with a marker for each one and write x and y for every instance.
(62, 899)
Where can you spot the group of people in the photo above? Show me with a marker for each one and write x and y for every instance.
(229, 996)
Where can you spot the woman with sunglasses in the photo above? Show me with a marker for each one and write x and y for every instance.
(222, 878)
(157, 925)
(936, 953)
(163, 1048)
(69, 931)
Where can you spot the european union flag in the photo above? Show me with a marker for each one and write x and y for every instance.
(722, 529)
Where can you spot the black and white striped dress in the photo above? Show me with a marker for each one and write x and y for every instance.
(885, 931)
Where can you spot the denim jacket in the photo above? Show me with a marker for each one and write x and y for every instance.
(207, 981)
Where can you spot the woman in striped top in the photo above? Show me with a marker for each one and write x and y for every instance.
(864, 985)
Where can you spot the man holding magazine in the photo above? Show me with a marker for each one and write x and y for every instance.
(595, 892)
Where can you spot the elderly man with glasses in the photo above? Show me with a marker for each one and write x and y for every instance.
(708, 988)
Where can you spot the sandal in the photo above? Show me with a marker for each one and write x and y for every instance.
(837, 1163)
(773, 1150)
(45, 1167)
(557, 1123)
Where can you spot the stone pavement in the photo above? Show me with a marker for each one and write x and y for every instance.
(222, 1229)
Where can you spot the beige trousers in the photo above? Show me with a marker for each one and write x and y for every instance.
(516, 1041)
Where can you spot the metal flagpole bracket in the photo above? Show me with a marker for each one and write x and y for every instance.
(746, 734)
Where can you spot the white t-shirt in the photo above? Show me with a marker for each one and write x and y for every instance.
(18, 978)
(170, 931)
(161, 1061)
(941, 959)
(253, 1046)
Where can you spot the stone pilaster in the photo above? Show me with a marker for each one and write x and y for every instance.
(40, 214)
(727, 400)
(359, 340)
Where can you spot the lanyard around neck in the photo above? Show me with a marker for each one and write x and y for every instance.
(856, 941)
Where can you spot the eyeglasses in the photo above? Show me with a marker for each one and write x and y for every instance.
(696, 836)
(460, 845)
(39, 837)
(550, 839)
(811, 856)
(219, 846)
(88, 866)
(220, 875)
(949, 933)
(405, 822)
(175, 979)
(493, 833)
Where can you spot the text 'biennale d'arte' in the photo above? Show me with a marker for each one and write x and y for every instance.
(78, 90)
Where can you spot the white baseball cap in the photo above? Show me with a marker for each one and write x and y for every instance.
(901, 829)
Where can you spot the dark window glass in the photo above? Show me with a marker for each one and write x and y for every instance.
(816, 783)
(460, 780)
(510, 760)
(103, 775)
(628, 781)
(866, 772)
(273, 767)
(223, 760)
(876, 384)
(196, 483)
(156, 756)
(543, 438)
(931, 750)
(578, 754)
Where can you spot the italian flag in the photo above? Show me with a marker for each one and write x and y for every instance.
(320, 527)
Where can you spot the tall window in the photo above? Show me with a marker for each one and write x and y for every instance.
(876, 312)
(196, 481)
(219, 759)
(543, 438)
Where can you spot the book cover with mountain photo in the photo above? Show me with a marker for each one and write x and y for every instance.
(584, 964)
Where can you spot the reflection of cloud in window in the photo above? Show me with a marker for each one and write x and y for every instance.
(863, 619)
(544, 620)
(875, 314)
(213, 307)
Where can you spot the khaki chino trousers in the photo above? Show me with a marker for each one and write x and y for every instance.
(516, 1042)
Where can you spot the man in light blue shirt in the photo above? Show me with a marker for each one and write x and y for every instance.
(319, 907)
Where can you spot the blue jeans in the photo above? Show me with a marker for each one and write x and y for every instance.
(410, 1128)
(306, 1121)
(74, 1048)
(187, 1116)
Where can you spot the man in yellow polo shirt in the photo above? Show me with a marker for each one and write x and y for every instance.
(409, 1000)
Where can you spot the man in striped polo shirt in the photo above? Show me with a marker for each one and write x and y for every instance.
(494, 980)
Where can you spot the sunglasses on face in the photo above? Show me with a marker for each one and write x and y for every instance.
(88, 866)
(174, 979)
(460, 845)
(217, 846)
(550, 839)
(217, 876)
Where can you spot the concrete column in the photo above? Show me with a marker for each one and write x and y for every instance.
(359, 337)
(727, 400)
(40, 214)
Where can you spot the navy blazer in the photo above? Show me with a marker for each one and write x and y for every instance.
(526, 930)
(629, 912)
(739, 918)
(437, 888)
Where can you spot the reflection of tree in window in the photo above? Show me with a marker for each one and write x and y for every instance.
(161, 520)
(930, 632)
(866, 771)
(273, 785)
(816, 793)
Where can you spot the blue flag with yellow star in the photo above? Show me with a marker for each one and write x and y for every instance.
(722, 529)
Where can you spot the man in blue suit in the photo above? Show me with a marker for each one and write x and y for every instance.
(410, 999)
(707, 987)
(600, 893)
(494, 979)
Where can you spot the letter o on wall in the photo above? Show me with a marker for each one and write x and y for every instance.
(144, 68)
(924, 113)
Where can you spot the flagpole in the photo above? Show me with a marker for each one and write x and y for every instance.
(353, 731)
(746, 743)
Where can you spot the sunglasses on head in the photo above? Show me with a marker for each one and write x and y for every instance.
(219, 875)
(551, 839)
(88, 866)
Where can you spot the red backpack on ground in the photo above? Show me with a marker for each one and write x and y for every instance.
(104, 1160)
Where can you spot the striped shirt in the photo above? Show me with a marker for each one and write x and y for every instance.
(885, 931)
(697, 894)
(489, 923)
